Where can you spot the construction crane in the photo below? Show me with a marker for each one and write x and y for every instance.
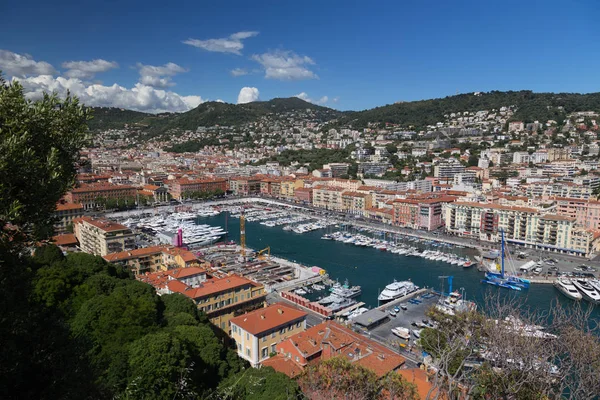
(243, 234)
(261, 257)
(450, 278)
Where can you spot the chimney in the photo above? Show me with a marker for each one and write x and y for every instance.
(280, 311)
(262, 316)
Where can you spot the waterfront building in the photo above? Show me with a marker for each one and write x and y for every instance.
(521, 225)
(159, 194)
(329, 198)
(243, 186)
(64, 215)
(154, 258)
(355, 202)
(92, 195)
(304, 195)
(420, 212)
(180, 188)
(289, 186)
(330, 339)
(257, 333)
(100, 236)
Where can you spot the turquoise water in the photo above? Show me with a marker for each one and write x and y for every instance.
(373, 269)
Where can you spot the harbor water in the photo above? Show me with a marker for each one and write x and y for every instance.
(374, 269)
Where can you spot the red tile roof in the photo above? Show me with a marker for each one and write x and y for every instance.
(101, 223)
(266, 319)
(68, 239)
(69, 206)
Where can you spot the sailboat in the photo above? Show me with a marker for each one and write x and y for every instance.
(503, 280)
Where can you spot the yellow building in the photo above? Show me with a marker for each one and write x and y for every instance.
(65, 214)
(356, 203)
(257, 333)
(222, 299)
(154, 258)
(288, 187)
(329, 198)
(100, 236)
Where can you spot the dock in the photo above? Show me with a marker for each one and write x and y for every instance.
(401, 299)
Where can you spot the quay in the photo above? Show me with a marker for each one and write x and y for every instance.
(393, 303)
(348, 309)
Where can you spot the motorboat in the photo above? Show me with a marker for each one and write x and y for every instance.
(402, 333)
(566, 287)
(397, 289)
(588, 292)
(417, 333)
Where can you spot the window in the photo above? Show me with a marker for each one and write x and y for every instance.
(298, 324)
(264, 338)
(265, 352)
(247, 336)
(239, 346)
(248, 352)
(273, 335)
(282, 331)
(234, 328)
(297, 359)
(273, 348)
(223, 325)
(235, 299)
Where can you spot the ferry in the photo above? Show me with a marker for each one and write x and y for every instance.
(397, 289)
(588, 292)
(566, 287)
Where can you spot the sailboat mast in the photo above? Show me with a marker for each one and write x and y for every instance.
(502, 232)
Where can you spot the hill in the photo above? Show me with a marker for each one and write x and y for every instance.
(207, 114)
(530, 106)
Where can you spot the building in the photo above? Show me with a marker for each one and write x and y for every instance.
(304, 195)
(100, 236)
(523, 226)
(338, 170)
(223, 298)
(289, 186)
(243, 186)
(356, 203)
(516, 126)
(329, 198)
(330, 339)
(64, 215)
(373, 168)
(174, 280)
(93, 195)
(158, 194)
(154, 258)
(420, 212)
(448, 170)
(184, 187)
(257, 333)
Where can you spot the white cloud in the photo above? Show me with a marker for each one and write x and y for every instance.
(304, 96)
(87, 69)
(13, 64)
(219, 101)
(335, 99)
(232, 44)
(140, 97)
(247, 95)
(159, 76)
(239, 72)
(285, 65)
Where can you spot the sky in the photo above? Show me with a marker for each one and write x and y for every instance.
(157, 56)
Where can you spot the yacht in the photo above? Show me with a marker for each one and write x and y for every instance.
(587, 291)
(397, 289)
(402, 333)
(566, 287)
(346, 290)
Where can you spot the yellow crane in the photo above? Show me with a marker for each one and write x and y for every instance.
(260, 256)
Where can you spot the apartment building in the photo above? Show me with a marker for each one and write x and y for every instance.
(243, 186)
(355, 202)
(224, 298)
(154, 258)
(100, 236)
(92, 195)
(289, 186)
(64, 215)
(563, 189)
(257, 333)
(337, 169)
(329, 198)
(176, 280)
(585, 212)
(420, 212)
(523, 226)
(448, 170)
(304, 195)
(180, 188)
(330, 339)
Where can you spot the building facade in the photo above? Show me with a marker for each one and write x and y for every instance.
(93, 195)
(257, 333)
(100, 236)
(180, 188)
(65, 214)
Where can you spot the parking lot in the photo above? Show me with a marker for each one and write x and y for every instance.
(404, 318)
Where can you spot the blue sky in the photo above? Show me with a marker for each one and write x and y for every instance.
(343, 54)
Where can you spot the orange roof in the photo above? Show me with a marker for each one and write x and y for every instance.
(186, 272)
(69, 206)
(212, 286)
(355, 194)
(100, 188)
(65, 240)
(284, 365)
(266, 319)
(151, 187)
(103, 224)
(128, 254)
(419, 378)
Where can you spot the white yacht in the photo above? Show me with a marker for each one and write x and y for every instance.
(587, 291)
(397, 289)
(566, 287)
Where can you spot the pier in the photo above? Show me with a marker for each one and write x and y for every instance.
(348, 309)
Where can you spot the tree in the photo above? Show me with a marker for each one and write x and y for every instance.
(48, 254)
(259, 384)
(40, 144)
(473, 160)
(159, 368)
